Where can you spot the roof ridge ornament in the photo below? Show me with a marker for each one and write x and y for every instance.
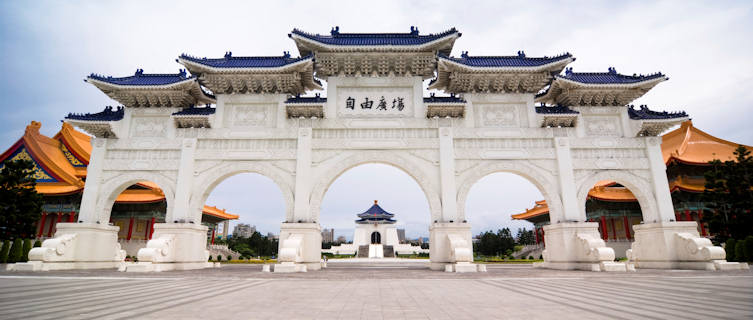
(139, 72)
(521, 54)
(612, 70)
(568, 71)
(464, 54)
(228, 54)
(414, 30)
(335, 31)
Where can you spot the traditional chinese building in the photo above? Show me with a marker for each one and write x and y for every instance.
(687, 151)
(375, 236)
(60, 168)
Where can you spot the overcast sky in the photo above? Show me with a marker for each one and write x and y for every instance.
(48, 47)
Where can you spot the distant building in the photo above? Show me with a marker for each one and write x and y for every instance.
(244, 230)
(328, 236)
(272, 236)
(401, 235)
(341, 239)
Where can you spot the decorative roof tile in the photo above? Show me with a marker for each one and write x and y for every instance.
(558, 109)
(374, 39)
(193, 111)
(299, 99)
(505, 61)
(105, 115)
(375, 214)
(644, 113)
(446, 99)
(144, 79)
(609, 77)
(228, 61)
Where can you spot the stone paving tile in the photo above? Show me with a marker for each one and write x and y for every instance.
(384, 291)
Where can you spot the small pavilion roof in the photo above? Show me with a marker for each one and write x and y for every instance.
(153, 90)
(194, 111)
(582, 88)
(375, 214)
(340, 41)
(558, 109)
(517, 61)
(308, 100)
(644, 113)
(444, 99)
(108, 114)
(231, 62)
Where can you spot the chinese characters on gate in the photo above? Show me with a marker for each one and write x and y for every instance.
(382, 104)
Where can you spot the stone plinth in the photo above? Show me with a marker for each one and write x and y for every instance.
(577, 246)
(450, 246)
(300, 244)
(76, 246)
(676, 245)
(174, 246)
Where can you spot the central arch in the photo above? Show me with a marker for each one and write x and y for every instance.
(211, 178)
(376, 238)
(329, 173)
(542, 180)
(637, 185)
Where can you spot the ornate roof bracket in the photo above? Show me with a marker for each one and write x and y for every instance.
(445, 107)
(305, 107)
(153, 90)
(598, 88)
(193, 117)
(496, 74)
(556, 116)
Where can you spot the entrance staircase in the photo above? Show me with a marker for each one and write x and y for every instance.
(389, 251)
(363, 251)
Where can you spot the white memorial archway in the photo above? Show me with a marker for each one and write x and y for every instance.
(375, 112)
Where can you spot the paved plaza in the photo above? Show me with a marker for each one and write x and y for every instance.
(377, 291)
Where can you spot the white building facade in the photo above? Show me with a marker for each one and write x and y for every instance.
(375, 112)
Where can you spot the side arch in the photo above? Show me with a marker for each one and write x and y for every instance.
(541, 179)
(208, 180)
(115, 186)
(637, 185)
(400, 160)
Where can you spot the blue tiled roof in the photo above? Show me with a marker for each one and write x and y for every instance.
(644, 113)
(298, 99)
(105, 115)
(228, 61)
(446, 99)
(374, 39)
(558, 109)
(375, 213)
(144, 79)
(505, 61)
(609, 77)
(193, 111)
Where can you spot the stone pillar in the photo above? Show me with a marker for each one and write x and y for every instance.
(566, 179)
(225, 229)
(301, 208)
(447, 175)
(660, 242)
(300, 245)
(91, 243)
(181, 242)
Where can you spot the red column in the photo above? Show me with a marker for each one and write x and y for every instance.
(215, 228)
(52, 225)
(604, 231)
(41, 224)
(130, 229)
(543, 239)
(614, 230)
(687, 215)
(677, 216)
(146, 232)
(700, 222)
(627, 227)
(151, 229)
(72, 216)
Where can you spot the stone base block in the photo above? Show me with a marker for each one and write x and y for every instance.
(159, 267)
(450, 243)
(481, 267)
(52, 266)
(176, 242)
(577, 246)
(290, 267)
(675, 245)
(461, 267)
(77, 246)
(723, 265)
(266, 268)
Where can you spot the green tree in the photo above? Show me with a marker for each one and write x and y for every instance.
(37, 243)
(525, 237)
(730, 197)
(4, 251)
(27, 248)
(20, 204)
(16, 251)
(740, 251)
(729, 247)
(748, 248)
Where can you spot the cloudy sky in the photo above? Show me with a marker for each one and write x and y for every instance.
(705, 48)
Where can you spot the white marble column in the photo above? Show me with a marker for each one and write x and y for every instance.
(447, 174)
(301, 208)
(566, 179)
(180, 211)
(659, 182)
(88, 211)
